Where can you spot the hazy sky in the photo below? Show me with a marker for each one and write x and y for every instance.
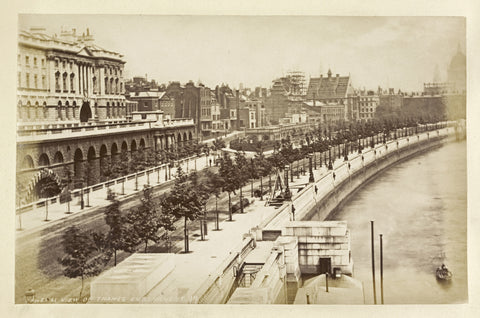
(400, 52)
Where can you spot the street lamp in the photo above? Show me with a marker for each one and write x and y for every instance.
(359, 145)
(311, 178)
(288, 195)
(345, 155)
(330, 166)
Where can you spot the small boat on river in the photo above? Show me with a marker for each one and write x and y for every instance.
(443, 273)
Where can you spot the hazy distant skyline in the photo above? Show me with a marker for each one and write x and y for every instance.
(398, 52)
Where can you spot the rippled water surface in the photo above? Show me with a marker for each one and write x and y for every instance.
(420, 207)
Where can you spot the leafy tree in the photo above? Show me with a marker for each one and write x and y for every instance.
(183, 201)
(227, 172)
(143, 223)
(114, 240)
(166, 219)
(263, 168)
(80, 259)
(46, 188)
(242, 173)
(215, 183)
(203, 193)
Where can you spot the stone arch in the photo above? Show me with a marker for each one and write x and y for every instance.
(133, 146)
(78, 164)
(190, 136)
(103, 161)
(114, 153)
(108, 110)
(92, 172)
(37, 188)
(58, 157)
(27, 162)
(43, 160)
(124, 146)
(142, 143)
(85, 112)
(185, 136)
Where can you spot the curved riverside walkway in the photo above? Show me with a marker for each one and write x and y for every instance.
(197, 277)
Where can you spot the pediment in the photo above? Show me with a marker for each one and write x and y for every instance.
(85, 52)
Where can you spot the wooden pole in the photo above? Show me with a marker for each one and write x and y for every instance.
(381, 267)
(373, 265)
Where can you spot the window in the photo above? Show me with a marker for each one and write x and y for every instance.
(63, 64)
(64, 82)
(26, 60)
(72, 77)
(35, 61)
(35, 81)
(27, 80)
(43, 62)
(44, 84)
(56, 63)
(57, 82)
(19, 79)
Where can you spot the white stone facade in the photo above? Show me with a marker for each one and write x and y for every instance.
(67, 79)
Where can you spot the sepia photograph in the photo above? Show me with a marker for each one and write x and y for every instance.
(187, 159)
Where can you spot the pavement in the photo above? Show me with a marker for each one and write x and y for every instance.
(34, 219)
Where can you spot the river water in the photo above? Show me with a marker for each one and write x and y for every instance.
(420, 207)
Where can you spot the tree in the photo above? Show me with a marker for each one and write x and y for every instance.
(203, 194)
(114, 240)
(227, 172)
(46, 188)
(166, 220)
(79, 260)
(143, 223)
(241, 173)
(215, 183)
(263, 168)
(183, 201)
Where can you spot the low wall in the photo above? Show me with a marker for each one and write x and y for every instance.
(341, 191)
(321, 198)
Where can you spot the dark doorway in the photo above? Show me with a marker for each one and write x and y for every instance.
(325, 265)
(85, 112)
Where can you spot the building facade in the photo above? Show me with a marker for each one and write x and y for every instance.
(67, 79)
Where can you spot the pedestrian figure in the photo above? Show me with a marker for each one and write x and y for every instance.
(349, 166)
(316, 190)
(293, 213)
(334, 176)
(210, 162)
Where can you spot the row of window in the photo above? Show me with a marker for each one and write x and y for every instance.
(367, 109)
(36, 83)
(35, 60)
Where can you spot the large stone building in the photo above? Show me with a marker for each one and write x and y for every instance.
(73, 119)
(68, 78)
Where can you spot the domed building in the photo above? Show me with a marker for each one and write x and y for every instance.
(457, 71)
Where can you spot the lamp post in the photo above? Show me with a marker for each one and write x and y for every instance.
(384, 135)
(359, 145)
(288, 194)
(372, 142)
(345, 154)
(311, 179)
(330, 166)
